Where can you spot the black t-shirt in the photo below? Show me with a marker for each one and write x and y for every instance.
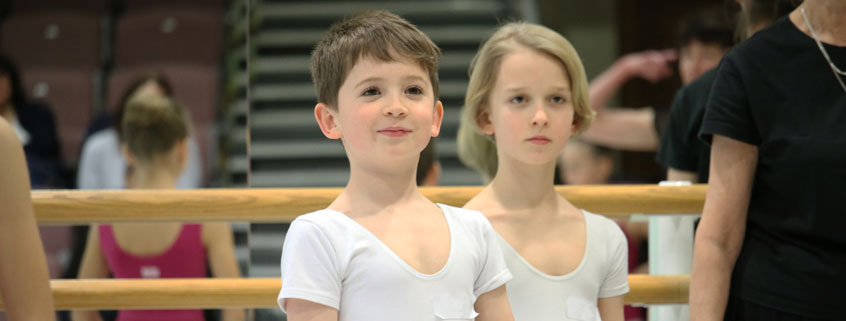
(681, 147)
(776, 91)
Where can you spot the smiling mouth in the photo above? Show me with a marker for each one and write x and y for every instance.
(394, 132)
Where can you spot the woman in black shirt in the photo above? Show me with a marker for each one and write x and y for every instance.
(771, 244)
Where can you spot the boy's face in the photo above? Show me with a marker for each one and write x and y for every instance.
(386, 114)
(530, 108)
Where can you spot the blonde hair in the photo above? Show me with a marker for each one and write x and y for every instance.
(476, 149)
(376, 34)
(152, 125)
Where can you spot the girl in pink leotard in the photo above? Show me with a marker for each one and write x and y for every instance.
(154, 134)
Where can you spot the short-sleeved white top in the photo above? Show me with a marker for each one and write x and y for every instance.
(602, 273)
(330, 259)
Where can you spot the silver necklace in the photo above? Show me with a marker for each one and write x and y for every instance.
(837, 72)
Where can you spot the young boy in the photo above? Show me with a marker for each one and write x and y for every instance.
(382, 251)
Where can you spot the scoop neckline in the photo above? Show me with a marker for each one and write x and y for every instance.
(552, 277)
(397, 258)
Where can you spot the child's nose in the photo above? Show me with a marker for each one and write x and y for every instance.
(540, 118)
(395, 108)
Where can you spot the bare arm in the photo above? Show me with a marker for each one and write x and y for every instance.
(721, 231)
(626, 129)
(24, 280)
(302, 310)
(93, 266)
(221, 248)
(680, 175)
(494, 306)
(611, 309)
(652, 65)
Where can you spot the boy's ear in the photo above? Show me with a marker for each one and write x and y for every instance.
(327, 120)
(576, 124)
(484, 122)
(437, 118)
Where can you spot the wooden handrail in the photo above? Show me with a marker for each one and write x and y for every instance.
(113, 294)
(285, 204)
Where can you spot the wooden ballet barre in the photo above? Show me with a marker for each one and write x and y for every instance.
(113, 294)
(285, 204)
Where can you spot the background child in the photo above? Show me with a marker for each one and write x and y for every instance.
(102, 165)
(527, 95)
(382, 251)
(154, 133)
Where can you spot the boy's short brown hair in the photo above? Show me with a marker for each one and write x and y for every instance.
(376, 34)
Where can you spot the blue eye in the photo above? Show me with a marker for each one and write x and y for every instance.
(372, 91)
(518, 100)
(558, 100)
(414, 90)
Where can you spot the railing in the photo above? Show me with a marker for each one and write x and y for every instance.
(283, 205)
(114, 294)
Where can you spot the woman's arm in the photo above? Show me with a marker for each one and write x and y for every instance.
(611, 309)
(624, 128)
(627, 129)
(24, 280)
(721, 231)
(494, 306)
(652, 65)
(220, 245)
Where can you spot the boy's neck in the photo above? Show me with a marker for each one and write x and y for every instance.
(369, 192)
(521, 186)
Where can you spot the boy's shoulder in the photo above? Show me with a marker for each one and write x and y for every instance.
(325, 219)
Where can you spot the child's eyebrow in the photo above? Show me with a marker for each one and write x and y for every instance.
(516, 88)
(523, 88)
(562, 88)
(366, 80)
(414, 77)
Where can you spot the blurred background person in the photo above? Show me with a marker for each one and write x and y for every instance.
(682, 153)
(103, 166)
(705, 37)
(155, 131)
(34, 126)
(429, 168)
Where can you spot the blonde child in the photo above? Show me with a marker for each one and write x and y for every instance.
(382, 251)
(527, 96)
(155, 132)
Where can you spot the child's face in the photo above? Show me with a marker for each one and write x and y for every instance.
(386, 113)
(530, 109)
